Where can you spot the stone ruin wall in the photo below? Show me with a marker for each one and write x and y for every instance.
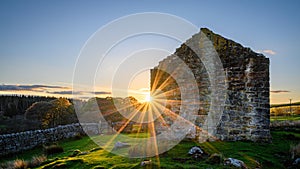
(18, 142)
(246, 111)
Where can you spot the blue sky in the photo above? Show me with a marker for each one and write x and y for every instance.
(40, 40)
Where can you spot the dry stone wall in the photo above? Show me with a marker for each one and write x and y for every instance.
(245, 112)
(17, 142)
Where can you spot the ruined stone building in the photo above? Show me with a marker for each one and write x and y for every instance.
(231, 98)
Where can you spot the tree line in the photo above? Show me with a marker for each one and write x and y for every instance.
(17, 104)
(21, 113)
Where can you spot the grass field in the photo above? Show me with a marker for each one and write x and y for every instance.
(269, 155)
(283, 118)
(285, 111)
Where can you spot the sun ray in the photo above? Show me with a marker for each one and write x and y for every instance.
(121, 109)
(156, 111)
(154, 137)
(133, 114)
(158, 74)
(170, 92)
(141, 119)
(166, 81)
(123, 126)
(170, 112)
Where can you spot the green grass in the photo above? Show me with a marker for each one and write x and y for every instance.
(68, 145)
(283, 118)
(270, 155)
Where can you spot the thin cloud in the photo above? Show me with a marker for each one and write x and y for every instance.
(101, 93)
(28, 87)
(69, 92)
(56, 90)
(267, 51)
(279, 91)
(144, 89)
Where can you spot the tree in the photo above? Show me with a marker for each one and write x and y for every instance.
(38, 112)
(59, 111)
(50, 114)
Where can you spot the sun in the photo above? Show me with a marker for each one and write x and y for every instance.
(148, 97)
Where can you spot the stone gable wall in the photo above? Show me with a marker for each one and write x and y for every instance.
(245, 113)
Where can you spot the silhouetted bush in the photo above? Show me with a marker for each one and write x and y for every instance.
(53, 149)
(78, 136)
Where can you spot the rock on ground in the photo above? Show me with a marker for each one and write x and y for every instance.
(235, 162)
(119, 145)
(195, 150)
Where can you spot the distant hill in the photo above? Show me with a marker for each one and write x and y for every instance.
(285, 104)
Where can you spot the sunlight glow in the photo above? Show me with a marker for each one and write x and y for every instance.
(148, 97)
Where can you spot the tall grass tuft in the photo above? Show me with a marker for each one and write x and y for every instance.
(295, 151)
(37, 161)
(20, 164)
(7, 165)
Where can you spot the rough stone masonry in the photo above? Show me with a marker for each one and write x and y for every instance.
(18, 142)
(245, 108)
